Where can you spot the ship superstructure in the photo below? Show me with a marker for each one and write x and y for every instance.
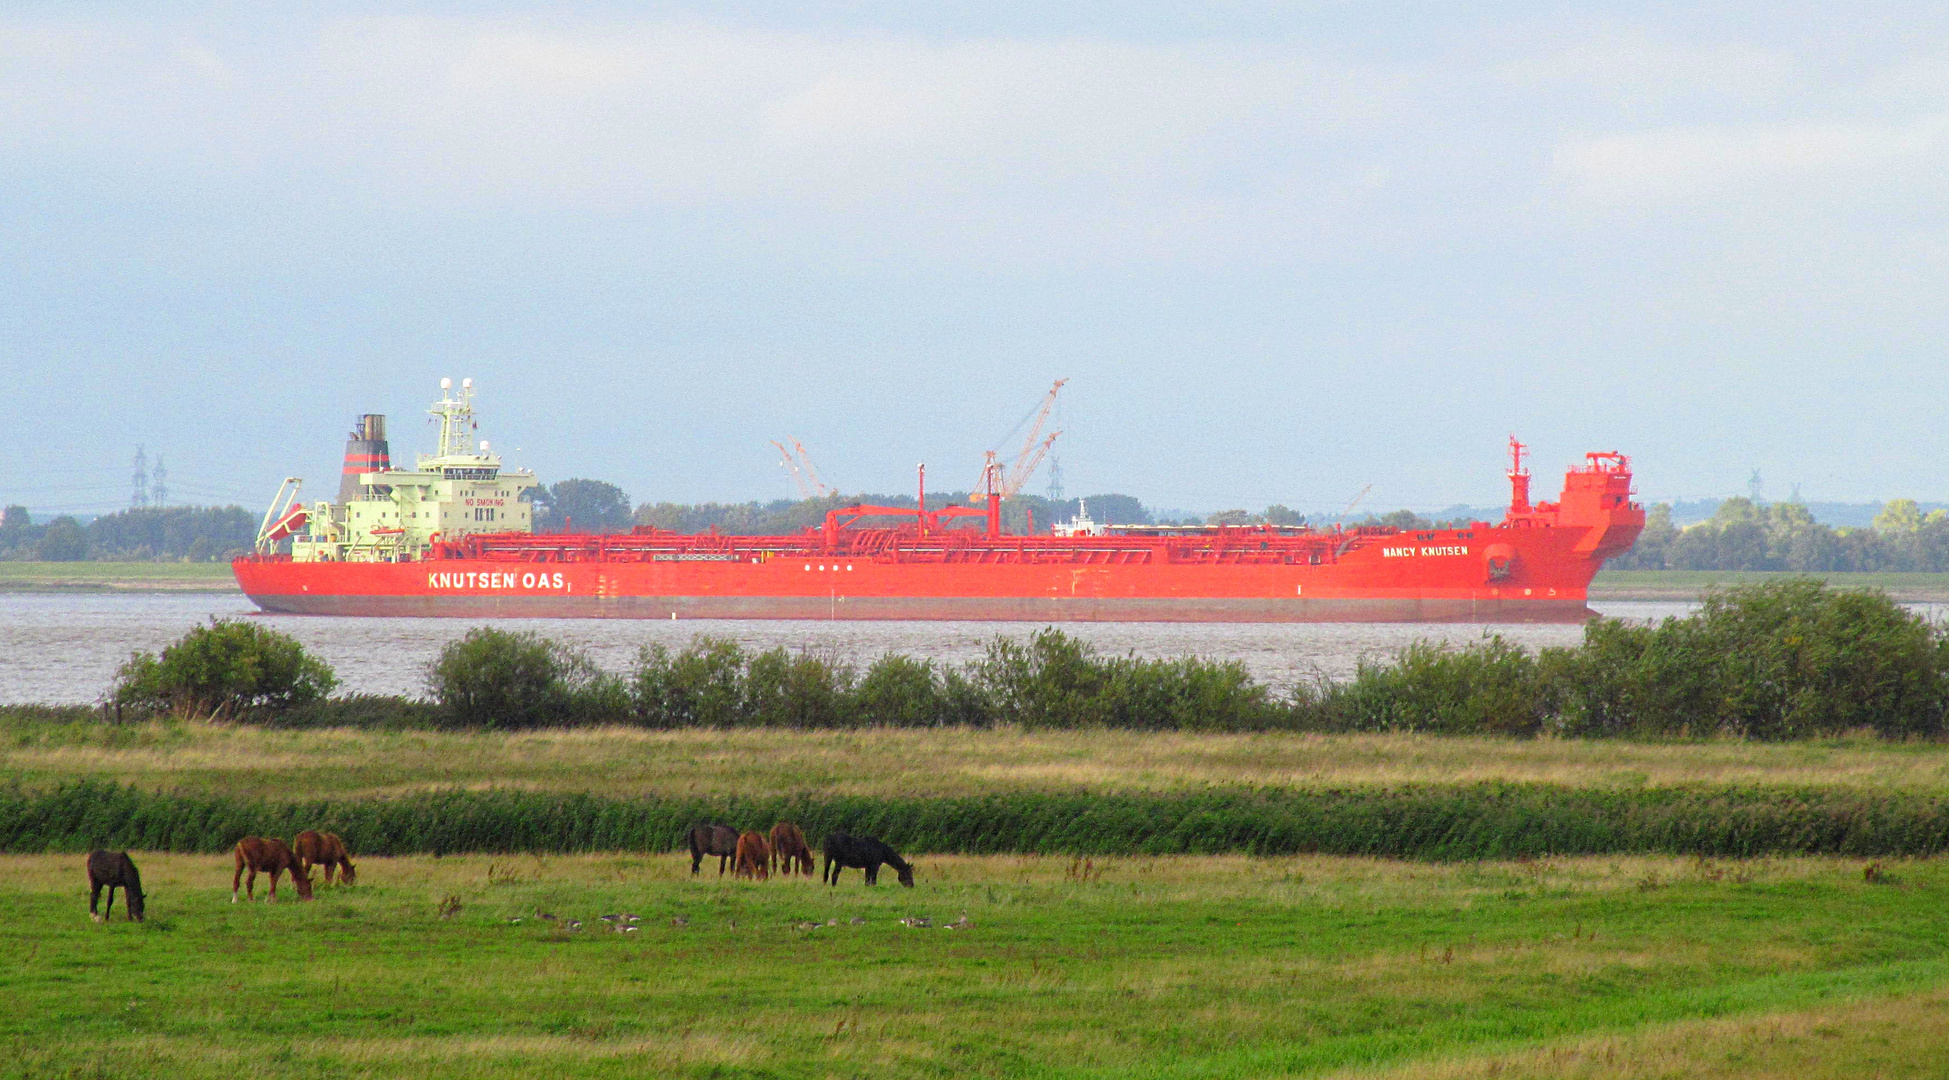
(453, 537)
(388, 515)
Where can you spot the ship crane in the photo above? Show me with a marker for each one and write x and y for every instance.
(1348, 512)
(1006, 480)
(799, 463)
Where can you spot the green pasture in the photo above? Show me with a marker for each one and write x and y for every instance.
(116, 577)
(1131, 967)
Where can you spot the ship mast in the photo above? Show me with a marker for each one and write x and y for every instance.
(456, 416)
(1518, 478)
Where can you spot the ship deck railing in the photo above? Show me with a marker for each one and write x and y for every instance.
(898, 546)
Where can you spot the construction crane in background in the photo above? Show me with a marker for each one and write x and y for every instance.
(1356, 501)
(1010, 478)
(799, 463)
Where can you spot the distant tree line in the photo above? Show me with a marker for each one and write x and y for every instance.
(787, 515)
(1748, 535)
(195, 533)
(597, 506)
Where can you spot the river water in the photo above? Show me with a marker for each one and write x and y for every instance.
(64, 648)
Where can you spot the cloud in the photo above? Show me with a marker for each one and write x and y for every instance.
(1017, 134)
(1710, 162)
(1633, 66)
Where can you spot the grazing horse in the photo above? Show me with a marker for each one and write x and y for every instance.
(865, 853)
(789, 851)
(268, 857)
(108, 869)
(326, 850)
(754, 857)
(718, 840)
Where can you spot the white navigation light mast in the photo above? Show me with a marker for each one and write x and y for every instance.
(456, 416)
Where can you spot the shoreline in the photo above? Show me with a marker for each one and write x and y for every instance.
(116, 577)
(1692, 585)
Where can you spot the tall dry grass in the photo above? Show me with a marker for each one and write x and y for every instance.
(341, 763)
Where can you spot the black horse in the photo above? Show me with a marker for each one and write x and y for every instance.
(865, 853)
(108, 869)
(718, 840)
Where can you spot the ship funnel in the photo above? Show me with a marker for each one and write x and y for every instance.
(365, 452)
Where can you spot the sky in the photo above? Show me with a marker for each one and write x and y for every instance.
(1282, 252)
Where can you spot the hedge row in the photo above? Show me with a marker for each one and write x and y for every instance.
(1438, 822)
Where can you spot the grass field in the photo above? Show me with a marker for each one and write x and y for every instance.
(1690, 584)
(214, 759)
(1208, 967)
(116, 577)
(1174, 967)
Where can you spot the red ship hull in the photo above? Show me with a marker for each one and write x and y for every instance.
(1393, 577)
(314, 596)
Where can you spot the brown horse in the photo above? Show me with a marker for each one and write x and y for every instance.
(789, 852)
(111, 870)
(754, 857)
(326, 850)
(259, 855)
(718, 840)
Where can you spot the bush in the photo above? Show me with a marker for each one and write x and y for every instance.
(1781, 660)
(702, 686)
(901, 692)
(1486, 688)
(498, 679)
(228, 670)
(1777, 661)
(1052, 681)
(797, 690)
(1187, 694)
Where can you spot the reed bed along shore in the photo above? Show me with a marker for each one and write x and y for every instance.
(1145, 967)
(1438, 822)
(201, 758)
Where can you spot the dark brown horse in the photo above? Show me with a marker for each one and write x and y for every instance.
(754, 857)
(107, 870)
(789, 851)
(326, 850)
(863, 852)
(718, 840)
(261, 856)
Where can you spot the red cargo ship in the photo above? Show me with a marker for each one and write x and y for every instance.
(954, 562)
